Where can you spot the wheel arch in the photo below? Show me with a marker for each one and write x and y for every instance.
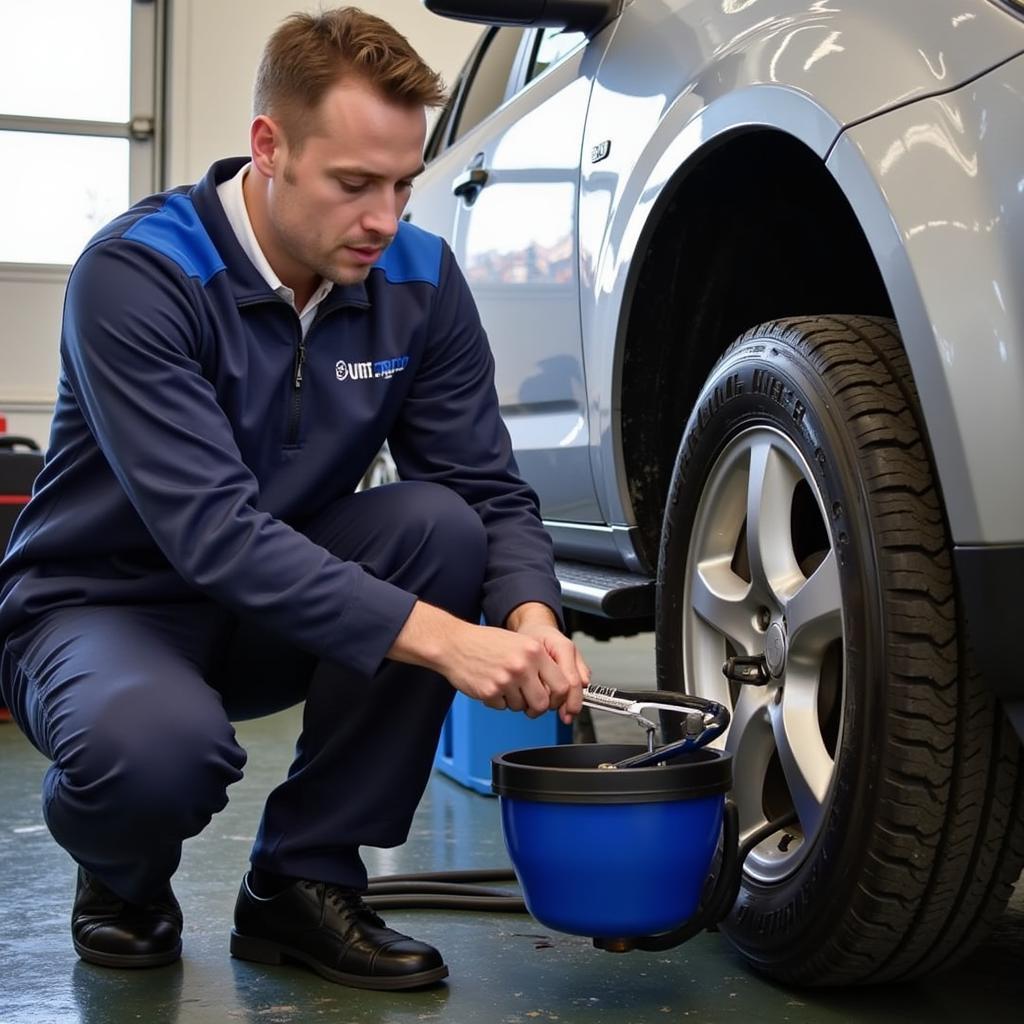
(753, 189)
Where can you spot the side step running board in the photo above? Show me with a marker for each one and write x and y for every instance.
(613, 593)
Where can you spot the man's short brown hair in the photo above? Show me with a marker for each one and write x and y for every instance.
(310, 52)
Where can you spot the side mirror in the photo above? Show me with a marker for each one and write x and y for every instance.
(571, 15)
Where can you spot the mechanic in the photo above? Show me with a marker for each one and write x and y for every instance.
(233, 355)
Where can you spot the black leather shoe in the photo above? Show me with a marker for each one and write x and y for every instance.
(332, 931)
(109, 931)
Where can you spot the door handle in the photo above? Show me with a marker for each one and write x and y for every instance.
(469, 183)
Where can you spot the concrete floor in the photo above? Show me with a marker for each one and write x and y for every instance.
(505, 969)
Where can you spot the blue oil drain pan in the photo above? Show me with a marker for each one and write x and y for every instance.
(617, 839)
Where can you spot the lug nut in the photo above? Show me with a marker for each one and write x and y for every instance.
(764, 619)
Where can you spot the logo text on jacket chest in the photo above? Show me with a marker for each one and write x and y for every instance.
(383, 369)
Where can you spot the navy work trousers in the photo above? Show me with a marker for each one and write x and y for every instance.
(133, 705)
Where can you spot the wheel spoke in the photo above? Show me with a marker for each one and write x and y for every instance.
(805, 760)
(772, 480)
(751, 590)
(751, 744)
(724, 611)
(814, 614)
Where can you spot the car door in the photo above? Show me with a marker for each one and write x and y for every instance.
(502, 186)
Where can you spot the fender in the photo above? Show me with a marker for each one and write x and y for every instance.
(945, 253)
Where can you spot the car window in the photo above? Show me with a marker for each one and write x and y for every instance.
(553, 45)
(485, 91)
(438, 134)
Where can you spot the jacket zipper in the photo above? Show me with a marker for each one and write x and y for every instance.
(292, 438)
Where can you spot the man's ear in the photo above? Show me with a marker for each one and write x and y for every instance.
(266, 144)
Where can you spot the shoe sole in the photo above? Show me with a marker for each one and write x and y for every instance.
(260, 951)
(101, 959)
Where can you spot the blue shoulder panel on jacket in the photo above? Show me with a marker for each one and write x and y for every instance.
(176, 231)
(414, 255)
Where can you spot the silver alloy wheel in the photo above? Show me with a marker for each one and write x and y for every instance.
(381, 471)
(762, 580)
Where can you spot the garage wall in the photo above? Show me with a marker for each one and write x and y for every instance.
(214, 55)
(31, 298)
(213, 51)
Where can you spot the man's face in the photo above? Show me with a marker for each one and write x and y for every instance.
(335, 204)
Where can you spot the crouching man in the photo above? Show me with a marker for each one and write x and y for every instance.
(233, 354)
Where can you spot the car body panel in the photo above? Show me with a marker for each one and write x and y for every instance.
(951, 255)
(516, 244)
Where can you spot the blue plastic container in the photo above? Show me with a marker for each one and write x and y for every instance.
(473, 734)
(611, 853)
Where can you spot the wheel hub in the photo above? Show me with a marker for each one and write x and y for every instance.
(776, 649)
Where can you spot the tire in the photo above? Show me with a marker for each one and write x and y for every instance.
(903, 773)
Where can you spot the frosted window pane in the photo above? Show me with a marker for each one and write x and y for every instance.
(56, 191)
(66, 58)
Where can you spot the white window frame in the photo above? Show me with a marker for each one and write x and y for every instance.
(143, 129)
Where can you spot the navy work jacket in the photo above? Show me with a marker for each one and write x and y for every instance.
(194, 432)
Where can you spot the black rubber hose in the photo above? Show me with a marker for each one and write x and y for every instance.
(445, 890)
(500, 904)
(759, 835)
(477, 875)
(435, 888)
(723, 894)
(713, 910)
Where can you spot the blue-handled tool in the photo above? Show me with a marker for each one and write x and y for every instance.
(705, 720)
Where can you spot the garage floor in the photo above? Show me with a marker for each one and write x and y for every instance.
(505, 969)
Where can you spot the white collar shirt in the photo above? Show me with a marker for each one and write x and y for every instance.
(233, 200)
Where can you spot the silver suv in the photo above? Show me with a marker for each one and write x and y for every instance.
(751, 272)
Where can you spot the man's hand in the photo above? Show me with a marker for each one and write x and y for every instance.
(538, 621)
(504, 668)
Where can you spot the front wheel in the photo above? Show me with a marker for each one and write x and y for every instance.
(804, 529)
(380, 472)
